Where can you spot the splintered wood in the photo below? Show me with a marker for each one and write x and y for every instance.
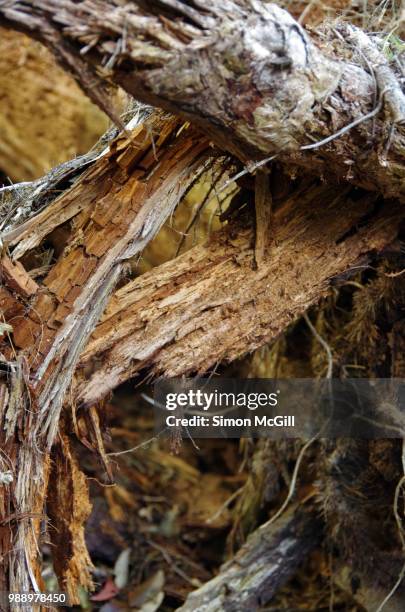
(308, 100)
(134, 189)
(16, 278)
(263, 206)
(68, 508)
(210, 306)
(115, 208)
(119, 191)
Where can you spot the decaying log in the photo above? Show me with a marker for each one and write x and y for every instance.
(10, 307)
(253, 80)
(119, 202)
(210, 305)
(29, 211)
(246, 72)
(269, 557)
(16, 278)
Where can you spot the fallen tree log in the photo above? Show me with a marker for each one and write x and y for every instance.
(246, 72)
(259, 91)
(120, 213)
(159, 320)
(269, 557)
(211, 305)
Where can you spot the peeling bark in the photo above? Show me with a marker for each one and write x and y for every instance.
(244, 71)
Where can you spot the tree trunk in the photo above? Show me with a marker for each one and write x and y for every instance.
(245, 72)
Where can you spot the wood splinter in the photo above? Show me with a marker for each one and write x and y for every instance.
(263, 209)
(13, 274)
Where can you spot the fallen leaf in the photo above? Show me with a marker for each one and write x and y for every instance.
(108, 591)
(121, 568)
(148, 595)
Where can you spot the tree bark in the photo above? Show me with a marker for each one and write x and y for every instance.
(245, 72)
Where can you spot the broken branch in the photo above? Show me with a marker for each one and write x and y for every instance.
(246, 72)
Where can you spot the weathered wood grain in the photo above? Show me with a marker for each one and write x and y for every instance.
(211, 305)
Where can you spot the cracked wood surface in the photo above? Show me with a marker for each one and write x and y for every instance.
(244, 71)
(68, 508)
(16, 278)
(211, 305)
(133, 190)
(116, 207)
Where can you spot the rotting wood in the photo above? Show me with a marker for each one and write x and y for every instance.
(223, 297)
(118, 205)
(190, 306)
(11, 309)
(246, 72)
(16, 278)
(68, 509)
(123, 212)
(21, 499)
(210, 306)
(31, 210)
